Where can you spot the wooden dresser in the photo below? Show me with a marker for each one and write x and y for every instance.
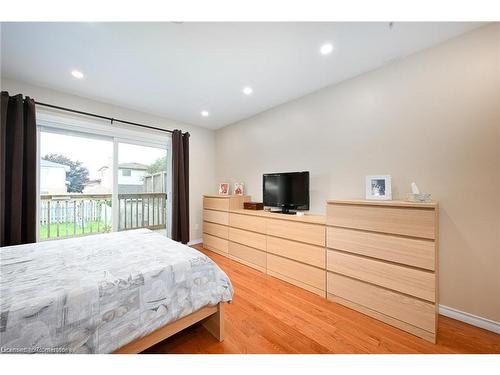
(382, 261)
(288, 247)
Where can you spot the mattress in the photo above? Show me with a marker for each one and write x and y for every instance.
(97, 293)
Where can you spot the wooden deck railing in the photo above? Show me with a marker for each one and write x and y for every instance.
(142, 210)
(72, 215)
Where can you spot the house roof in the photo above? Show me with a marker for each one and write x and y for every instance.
(137, 166)
(52, 164)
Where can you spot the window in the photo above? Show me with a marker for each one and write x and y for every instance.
(122, 184)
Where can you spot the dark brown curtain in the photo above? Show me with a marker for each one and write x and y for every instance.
(17, 170)
(180, 186)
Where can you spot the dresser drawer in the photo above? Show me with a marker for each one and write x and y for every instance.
(402, 307)
(218, 217)
(415, 222)
(411, 251)
(304, 232)
(221, 204)
(253, 223)
(400, 278)
(218, 230)
(251, 239)
(303, 273)
(248, 254)
(310, 254)
(215, 243)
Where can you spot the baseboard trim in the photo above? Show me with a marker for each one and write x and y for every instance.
(471, 319)
(195, 242)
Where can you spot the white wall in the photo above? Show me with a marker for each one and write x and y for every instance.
(201, 146)
(136, 177)
(432, 118)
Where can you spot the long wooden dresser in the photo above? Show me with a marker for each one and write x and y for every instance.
(380, 256)
(288, 247)
(382, 260)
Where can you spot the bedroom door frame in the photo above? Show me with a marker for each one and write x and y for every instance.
(61, 123)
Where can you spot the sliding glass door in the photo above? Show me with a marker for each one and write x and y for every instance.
(94, 181)
(142, 187)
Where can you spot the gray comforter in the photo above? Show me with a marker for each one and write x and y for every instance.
(95, 294)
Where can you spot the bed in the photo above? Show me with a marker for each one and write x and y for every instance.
(108, 293)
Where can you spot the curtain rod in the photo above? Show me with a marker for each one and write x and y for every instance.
(111, 119)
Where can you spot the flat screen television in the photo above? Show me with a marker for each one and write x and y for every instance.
(288, 191)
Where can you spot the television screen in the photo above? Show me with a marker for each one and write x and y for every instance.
(286, 190)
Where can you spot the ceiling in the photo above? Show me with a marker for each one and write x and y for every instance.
(177, 70)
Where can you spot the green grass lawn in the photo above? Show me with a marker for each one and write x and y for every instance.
(71, 232)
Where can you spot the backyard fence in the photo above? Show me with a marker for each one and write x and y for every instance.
(155, 182)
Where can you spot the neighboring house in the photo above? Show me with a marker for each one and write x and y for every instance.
(130, 179)
(53, 177)
(96, 187)
(106, 177)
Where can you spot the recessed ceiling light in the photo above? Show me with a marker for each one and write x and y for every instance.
(326, 49)
(77, 74)
(205, 113)
(247, 90)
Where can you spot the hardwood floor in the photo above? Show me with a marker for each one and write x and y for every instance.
(268, 315)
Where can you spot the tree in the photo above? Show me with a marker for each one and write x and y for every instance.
(159, 165)
(77, 176)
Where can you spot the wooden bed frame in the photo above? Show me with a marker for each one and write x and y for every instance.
(211, 317)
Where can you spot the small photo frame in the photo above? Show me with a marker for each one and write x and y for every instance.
(378, 188)
(238, 188)
(224, 188)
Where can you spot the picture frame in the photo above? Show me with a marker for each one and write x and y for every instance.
(238, 188)
(224, 188)
(378, 187)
